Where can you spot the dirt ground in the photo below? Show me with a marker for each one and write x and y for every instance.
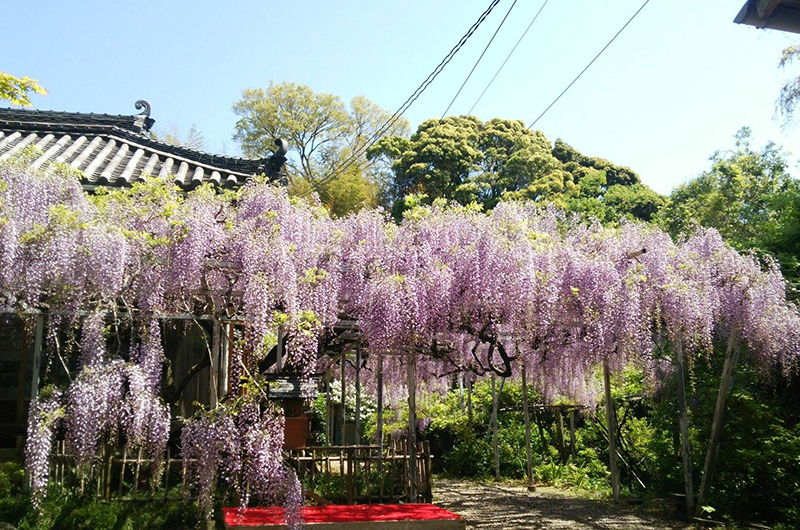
(511, 508)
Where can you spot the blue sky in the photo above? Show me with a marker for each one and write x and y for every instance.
(673, 88)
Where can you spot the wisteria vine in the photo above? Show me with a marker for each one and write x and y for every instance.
(463, 290)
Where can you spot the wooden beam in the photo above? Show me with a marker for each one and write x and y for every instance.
(764, 8)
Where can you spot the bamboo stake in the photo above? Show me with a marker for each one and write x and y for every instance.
(612, 442)
(731, 357)
(684, 423)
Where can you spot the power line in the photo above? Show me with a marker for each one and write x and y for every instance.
(479, 60)
(589, 65)
(507, 58)
(408, 102)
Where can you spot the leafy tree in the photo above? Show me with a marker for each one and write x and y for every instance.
(748, 196)
(324, 135)
(17, 90)
(464, 159)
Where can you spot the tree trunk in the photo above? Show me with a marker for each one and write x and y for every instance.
(731, 356)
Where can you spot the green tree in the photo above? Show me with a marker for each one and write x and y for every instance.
(463, 159)
(18, 90)
(749, 196)
(324, 136)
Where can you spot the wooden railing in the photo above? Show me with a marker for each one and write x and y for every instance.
(364, 473)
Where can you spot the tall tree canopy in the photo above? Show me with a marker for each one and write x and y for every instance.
(323, 134)
(748, 196)
(464, 159)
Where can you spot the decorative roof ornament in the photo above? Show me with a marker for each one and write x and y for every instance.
(143, 104)
(143, 120)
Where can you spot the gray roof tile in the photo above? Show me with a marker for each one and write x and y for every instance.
(116, 150)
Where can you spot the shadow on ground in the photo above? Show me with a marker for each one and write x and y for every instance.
(511, 508)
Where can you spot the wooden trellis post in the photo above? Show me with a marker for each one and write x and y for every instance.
(358, 395)
(343, 438)
(411, 373)
(572, 435)
(731, 357)
(379, 429)
(213, 376)
(531, 487)
(612, 436)
(224, 358)
(461, 391)
(684, 423)
(469, 398)
(37, 356)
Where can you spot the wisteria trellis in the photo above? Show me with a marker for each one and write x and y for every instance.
(461, 289)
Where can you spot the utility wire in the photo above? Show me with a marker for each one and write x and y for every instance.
(408, 102)
(479, 60)
(589, 65)
(507, 57)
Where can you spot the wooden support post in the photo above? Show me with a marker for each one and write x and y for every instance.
(411, 372)
(342, 436)
(469, 398)
(684, 423)
(358, 395)
(213, 372)
(612, 437)
(562, 445)
(461, 392)
(379, 427)
(539, 421)
(528, 455)
(224, 359)
(731, 357)
(572, 436)
(37, 356)
(279, 352)
(495, 444)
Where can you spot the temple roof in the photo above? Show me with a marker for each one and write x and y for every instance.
(117, 150)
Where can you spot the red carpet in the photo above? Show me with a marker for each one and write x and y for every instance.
(340, 514)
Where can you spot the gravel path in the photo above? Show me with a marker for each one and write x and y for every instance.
(512, 508)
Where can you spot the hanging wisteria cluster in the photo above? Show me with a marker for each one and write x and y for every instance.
(451, 288)
(241, 444)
